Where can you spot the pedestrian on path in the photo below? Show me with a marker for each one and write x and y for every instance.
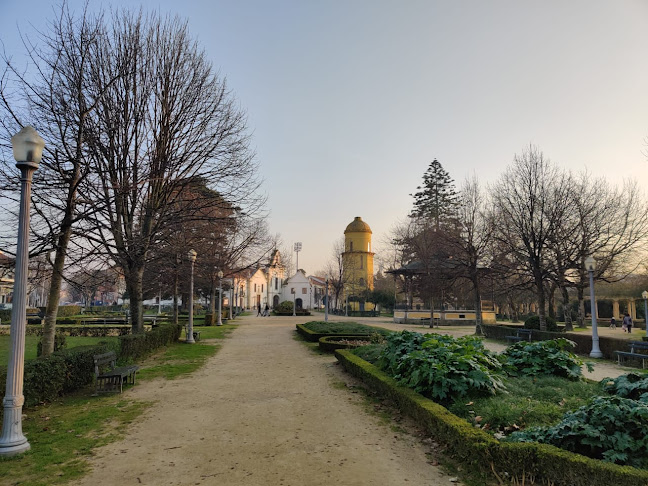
(627, 323)
(258, 310)
(613, 323)
(266, 311)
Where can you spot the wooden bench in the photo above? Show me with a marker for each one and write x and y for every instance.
(638, 351)
(109, 378)
(520, 335)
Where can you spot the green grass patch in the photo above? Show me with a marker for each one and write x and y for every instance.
(530, 401)
(63, 434)
(181, 358)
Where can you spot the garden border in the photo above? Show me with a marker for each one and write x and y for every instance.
(477, 448)
(314, 337)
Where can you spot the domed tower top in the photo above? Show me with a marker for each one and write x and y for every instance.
(357, 226)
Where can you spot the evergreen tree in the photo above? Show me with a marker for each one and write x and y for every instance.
(437, 199)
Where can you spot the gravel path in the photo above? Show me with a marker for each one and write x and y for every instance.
(263, 411)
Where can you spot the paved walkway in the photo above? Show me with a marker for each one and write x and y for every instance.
(265, 410)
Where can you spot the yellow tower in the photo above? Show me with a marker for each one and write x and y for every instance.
(357, 258)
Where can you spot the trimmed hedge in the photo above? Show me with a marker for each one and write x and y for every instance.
(339, 329)
(68, 310)
(134, 346)
(475, 447)
(45, 379)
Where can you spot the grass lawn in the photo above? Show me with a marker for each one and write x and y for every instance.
(32, 341)
(529, 401)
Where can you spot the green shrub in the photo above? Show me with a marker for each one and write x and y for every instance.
(68, 310)
(631, 385)
(553, 357)
(285, 306)
(135, 346)
(5, 316)
(59, 344)
(533, 322)
(46, 378)
(79, 362)
(612, 429)
(440, 366)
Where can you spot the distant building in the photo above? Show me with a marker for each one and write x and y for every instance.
(6, 278)
(358, 261)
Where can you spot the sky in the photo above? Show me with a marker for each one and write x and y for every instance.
(349, 101)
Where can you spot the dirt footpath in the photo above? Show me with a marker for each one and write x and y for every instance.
(263, 411)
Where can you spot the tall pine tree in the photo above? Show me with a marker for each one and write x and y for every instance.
(437, 199)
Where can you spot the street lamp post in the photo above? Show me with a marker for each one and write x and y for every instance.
(298, 247)
(326, 303)
(27, 150)
(191, 256)
(231, 300)
(220, 298)
(590, 266)
(644, 294)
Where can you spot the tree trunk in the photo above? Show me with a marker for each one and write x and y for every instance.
(212, 299)
(53, 299)
(566, 310)
(541, 305)
(552, 301)
(478, 311)
(581, 307)
(134, 284)
(175, 295)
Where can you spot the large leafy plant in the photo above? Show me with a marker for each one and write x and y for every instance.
(440, 366)
(613, 429)
(553, 357)
(631, 385)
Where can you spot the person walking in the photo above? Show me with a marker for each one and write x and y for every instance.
(259, 309)
(613, 323)
(266, 311)
(627, 323)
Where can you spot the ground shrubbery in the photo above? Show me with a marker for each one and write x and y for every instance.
(440, 366)
(554, 357)
(542, 392)
(613, 429)
(533, 322)
(631, 385)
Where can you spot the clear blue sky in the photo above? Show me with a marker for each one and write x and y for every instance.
(350, 100)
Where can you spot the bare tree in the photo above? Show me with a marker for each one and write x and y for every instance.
(167, 119)
(612, 226)
(530, 200)
(58, 99)
(470, 245)
(334, 270)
